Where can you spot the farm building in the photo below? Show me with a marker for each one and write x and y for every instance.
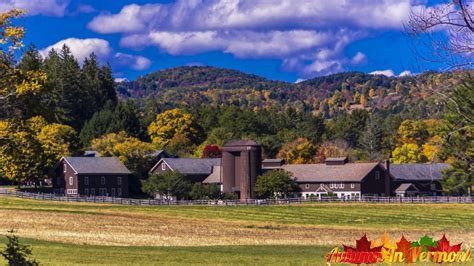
(338, 177)
(237, 171)
(417, 179)
(91, 176)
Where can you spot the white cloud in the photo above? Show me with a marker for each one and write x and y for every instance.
(387, 72)
(195, 15)
(118, 80)
(405, 73)
(134, 61)
(299, 80)
(81, 48)
(56, 8)
(309, 38)
(359, 58)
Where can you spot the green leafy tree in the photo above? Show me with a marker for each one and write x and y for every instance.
(205, 192)
(275, 183)
(16, 253)
(167, 184)
(458, 145)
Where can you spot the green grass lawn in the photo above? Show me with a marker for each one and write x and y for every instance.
(51, 253)
(360, 215)
(268, 221)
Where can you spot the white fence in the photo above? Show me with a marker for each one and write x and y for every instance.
(153, 202)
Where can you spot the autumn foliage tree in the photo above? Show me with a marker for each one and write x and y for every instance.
(211, 151)
(175, 124)
(299, 151)
(14, 82)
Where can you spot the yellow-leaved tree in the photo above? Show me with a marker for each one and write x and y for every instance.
(174, 125)
(299, 151)
(14, 82)
(134, 153)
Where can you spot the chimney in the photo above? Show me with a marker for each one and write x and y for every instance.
(387, 178)
(387, 165)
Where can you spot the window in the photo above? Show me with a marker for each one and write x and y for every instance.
(65, 168)
(163, 166)
(102, 180)
(307, 186)
(112, 192)
(92, 191)
(433, 186)
(377, 175)
(71, 191)
(342, 185)
(86, 180)
(86, 191)
(119, 192)
(71, 180)
(331, 185)
(352, 185)
(119, 180)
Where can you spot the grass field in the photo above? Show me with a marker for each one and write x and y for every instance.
(222, 234)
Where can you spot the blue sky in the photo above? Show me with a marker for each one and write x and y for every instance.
(278, 39)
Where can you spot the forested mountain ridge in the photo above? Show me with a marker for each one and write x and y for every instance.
(328, 95)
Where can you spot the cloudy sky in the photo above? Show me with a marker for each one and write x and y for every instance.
(279, 39)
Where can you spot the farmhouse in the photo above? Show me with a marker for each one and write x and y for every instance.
(91, 176)
(338, 177)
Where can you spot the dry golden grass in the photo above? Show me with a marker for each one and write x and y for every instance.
(141, 226)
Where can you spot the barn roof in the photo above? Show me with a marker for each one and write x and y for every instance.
(214, 177)
(406, 187)
(350, 172)
(97, 165)
(417, 172)
(192, 166)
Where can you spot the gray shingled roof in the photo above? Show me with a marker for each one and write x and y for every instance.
(405, 186)
(273, 161)
(418, 172)
(192, 166)
(97, 165)
(214, 177)
(350, 172)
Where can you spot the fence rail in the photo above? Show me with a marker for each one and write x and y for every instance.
(154, 202)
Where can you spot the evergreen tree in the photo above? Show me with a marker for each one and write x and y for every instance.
(107, 90)
(371, 139)
(458, 146)
(17, 253)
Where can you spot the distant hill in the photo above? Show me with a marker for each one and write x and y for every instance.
(328, 95)
(195, 77)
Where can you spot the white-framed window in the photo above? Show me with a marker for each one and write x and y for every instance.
(102, 180)
(86, 180)
(65, 168)
(352, 185)
(341, 185)
(163, 166)
(112, 192)
(71, 191)
(119, 180)
(92, 191)
(119, 192)
(86, 191)
(331, 185)
(307, 186)
(377, 175)
(71, 180)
